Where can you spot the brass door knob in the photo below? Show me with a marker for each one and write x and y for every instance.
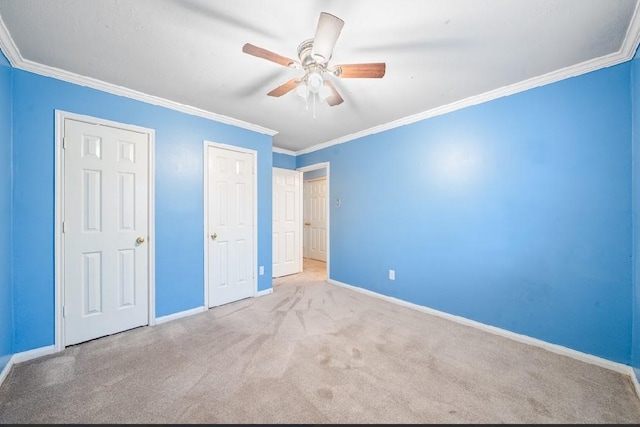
(140, 240)
(307, 223)
(214, 236)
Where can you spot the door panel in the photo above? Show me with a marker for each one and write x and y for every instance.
(230, 216)
(105, 278)
(287, 223)
(315, 219)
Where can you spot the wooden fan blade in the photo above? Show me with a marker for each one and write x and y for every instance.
(334, 98)
(284, 88)
(267, 54)
(371, 70)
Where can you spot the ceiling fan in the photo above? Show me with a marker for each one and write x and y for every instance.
(313, 57)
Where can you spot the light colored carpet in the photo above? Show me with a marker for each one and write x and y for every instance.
(312, 352)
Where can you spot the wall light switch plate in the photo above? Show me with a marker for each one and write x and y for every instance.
(261, 270)
(392, 275)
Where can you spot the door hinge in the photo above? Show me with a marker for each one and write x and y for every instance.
(64, 311)
(64, 227)
(64, 143)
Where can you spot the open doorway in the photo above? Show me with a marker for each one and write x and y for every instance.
(315, 213)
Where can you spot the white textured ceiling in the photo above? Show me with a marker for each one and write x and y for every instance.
(438, 53)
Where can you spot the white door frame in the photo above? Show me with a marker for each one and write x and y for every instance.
(205, 235)
(59, 343)
(316, 166)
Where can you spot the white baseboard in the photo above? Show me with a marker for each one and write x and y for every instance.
(33, 354)
(43, 351)
(24, 356)
(179, 315)
(197, 310)
(634, 380)
(263, 292)
(5, 371)
(584, 357)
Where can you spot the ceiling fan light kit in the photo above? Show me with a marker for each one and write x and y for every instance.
(313, 57)
(314, 82)
(302, 91)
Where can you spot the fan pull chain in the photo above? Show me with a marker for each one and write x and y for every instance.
(314, 105)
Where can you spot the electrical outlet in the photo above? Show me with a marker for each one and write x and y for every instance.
(261, 270)
(392, 275)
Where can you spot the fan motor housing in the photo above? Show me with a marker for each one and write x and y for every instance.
(304, 53)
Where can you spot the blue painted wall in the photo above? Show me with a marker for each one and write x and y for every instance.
(178, 197)
(515, 213)
(635, 105)
(6, 299)
(284, 161)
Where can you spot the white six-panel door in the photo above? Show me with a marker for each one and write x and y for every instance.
(105, 230)
(315, 219)
(230, 222)
(287, 222)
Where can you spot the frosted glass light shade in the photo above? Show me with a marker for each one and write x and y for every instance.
(302, 90)
(325, 92)
(314, 82)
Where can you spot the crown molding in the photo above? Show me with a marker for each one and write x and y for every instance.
(632, 38)
(283, 151)
(17, 61)
(7, 45)
(626, 53)
(555, 76)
